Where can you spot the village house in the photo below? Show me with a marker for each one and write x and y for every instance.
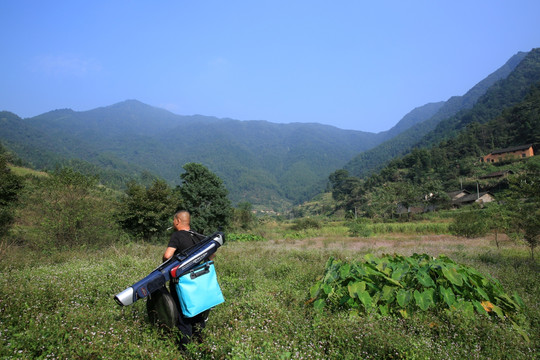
(457, 194)
(464, 197)
(479, 198)
(497, 174)
(515, 152)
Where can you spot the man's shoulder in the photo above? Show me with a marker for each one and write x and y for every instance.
(189, 233)
(196, 235)
(185, 238)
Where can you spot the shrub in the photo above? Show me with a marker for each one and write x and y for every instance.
(359, 228)
(470, 224)
(305, 223)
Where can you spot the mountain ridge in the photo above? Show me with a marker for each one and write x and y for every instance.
(374, 159)
(268, 164)
(259, 161)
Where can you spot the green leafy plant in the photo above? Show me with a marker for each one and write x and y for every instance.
(398, 285)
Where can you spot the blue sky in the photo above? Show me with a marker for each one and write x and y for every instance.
(352, 64)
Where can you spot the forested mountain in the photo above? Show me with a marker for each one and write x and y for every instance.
(261, 162)
(267, 164)
(451, 162)
(416, 116)
(423, 177)
(375, 158)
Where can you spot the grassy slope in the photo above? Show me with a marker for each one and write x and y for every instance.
(62, 306)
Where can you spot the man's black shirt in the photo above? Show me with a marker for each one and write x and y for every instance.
(182, 240)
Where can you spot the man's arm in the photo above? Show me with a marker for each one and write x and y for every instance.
(169, 252)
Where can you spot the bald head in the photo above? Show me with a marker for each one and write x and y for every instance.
(181, 220)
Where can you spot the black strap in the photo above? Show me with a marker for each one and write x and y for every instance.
(195, 238)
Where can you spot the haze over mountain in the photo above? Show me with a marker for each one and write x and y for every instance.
(402, 142)
(270, 165)
(262, 162)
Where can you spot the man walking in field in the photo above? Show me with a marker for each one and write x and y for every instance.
(183, 238)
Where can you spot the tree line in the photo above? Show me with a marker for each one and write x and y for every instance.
(66, 208)
(424, 177)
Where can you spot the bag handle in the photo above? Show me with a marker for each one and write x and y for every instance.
(193, 274)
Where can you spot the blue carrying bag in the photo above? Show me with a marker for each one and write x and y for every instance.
(199, 290)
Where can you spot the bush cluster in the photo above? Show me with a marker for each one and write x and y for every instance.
(305, 224)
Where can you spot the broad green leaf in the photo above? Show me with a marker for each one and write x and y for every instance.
(448, 296)
(358, 270)
(498, 311)
(475, 280)
(345, 270)
(465, 306)
(371, 270)
(314, 290)
(482, 293)
(375, 298)
(370, 258)
(355, 288)
(452, 275)
(319, 304)
(329, 262)
(397, 283)
(365, 299)
(518, 300)
(331, 276)
(388, 293)
(383, 309)
(399, 272)
(404, 297)
(424, 299)
(464, 276)
(424, 279)
(383, 267)
(403, 313)
(327, 288)
(504, 298)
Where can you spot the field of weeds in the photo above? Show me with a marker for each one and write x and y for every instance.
(60, 306)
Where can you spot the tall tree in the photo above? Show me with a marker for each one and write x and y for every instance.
(243, 217)
(524, 204)
(146, 212)
(10, 186)
(338, 184)
(203, 194)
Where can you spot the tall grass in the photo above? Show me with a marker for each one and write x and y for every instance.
(61, 306)
(410, 228)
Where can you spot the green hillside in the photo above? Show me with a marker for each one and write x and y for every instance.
(272, 166)
(374, 159)
(267, 164)
(449, 165)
